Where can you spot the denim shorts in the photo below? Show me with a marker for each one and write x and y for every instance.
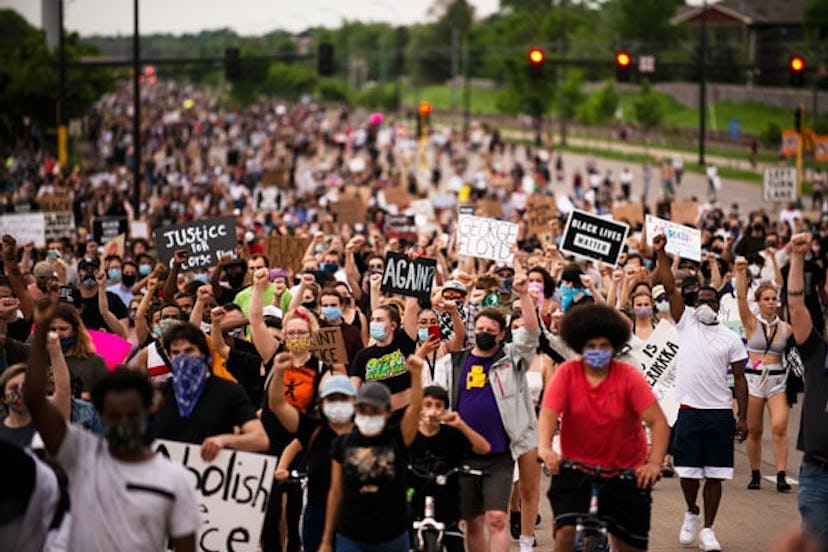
(812, 499)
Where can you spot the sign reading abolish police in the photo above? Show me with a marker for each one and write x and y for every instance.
(205, 241)
(594, 237)
(232, 491)
(412, 278)
(657, 359)
(780, 184)
(486, 238)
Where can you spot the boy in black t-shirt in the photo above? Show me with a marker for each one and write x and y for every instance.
(442, 442)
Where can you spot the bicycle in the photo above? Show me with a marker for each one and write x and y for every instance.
(429, 531)
(591, 532)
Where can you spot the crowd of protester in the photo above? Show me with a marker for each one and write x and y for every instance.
(486, 373)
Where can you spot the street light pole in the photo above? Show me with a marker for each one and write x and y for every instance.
(703, 84)
(136, 113)
(63, 153)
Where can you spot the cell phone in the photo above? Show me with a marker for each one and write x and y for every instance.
(434, 332)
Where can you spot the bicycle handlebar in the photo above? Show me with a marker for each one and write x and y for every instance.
(442, 478)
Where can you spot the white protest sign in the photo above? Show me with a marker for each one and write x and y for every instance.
(232, 491)
(729, 314)
(26, 227)
(779, 184)
(681, 240)
(486, 238)
(58, 224)
(657, 360)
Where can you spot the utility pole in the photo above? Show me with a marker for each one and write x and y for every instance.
(703, 84)
(62, 149)
(466, 88)
(136, 113)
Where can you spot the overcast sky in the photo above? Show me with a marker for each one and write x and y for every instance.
(110, 17)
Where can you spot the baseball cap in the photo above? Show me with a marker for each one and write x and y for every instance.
(455, 285)
(272, 310)
(659, 291)
(690, 281)
(499, 267)
(86, 262)
(44, 269)
(374, 394)
(337, 384)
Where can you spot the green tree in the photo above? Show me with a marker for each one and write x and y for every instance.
(569, 97)
(600, 106)
(644, 21)
(648, 110)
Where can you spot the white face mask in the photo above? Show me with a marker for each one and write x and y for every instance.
(338, 412)
(662, 306)
(370, 426)
(706, 315)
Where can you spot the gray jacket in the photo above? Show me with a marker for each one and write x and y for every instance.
(507, 378)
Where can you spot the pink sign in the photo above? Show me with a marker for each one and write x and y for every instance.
(112, 348)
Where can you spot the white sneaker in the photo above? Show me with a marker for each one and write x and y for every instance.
(708, 542)
(689, 528)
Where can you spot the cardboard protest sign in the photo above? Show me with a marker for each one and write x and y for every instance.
(539, 211)
(681, 240)
(25, 228)
(593, 237)
(232, 491)
(349, 209)
(115, 247)
(404, 276)
(632, 213)
(779, 184)
(139, 229)
(55, 202)
(329, 346)
(105, 229)
(490, 208)
(287, 251)
(486, 238)
(205, 241)
(276, 177)
(657, 359)
(684, 212)
(58, 224)
(397, 195)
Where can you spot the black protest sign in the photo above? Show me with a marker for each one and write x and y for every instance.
(205, 241)
(594, 237)
(404, 276)
(106, 229)
(401, 227)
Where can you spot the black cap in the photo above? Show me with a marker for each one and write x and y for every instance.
(690, 281)
(86, 261)
(375, 394)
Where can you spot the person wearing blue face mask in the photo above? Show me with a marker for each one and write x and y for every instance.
(331, 310)
(601, 403)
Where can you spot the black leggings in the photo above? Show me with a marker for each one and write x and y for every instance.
(271, 536)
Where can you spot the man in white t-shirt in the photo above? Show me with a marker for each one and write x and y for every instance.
(703, 434)
(123, 496)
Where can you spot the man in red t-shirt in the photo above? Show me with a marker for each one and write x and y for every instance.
(601, 403)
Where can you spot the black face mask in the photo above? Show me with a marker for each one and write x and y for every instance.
(485, 341)
(758, 228)
(235, 280)
(128, 279)
(690, 297)
(310, 305)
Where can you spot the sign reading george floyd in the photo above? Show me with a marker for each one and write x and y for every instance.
(205, 241)
(594, 237)
(486, 238)
(232, 492)
(409, 277)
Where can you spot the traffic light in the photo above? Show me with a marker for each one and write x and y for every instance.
(536, 58)
(423, 119)
(232, 64)
(799, 117)
(325, 59)
(796, 66)
(623, 64)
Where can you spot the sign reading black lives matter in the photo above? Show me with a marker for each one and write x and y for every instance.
(594, 237)
(412, 278)
(205, 241)
(106, 229)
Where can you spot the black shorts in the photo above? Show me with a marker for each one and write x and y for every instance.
(621, 504)
(490, 492)
(702, 443)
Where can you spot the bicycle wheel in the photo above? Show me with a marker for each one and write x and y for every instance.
(431, 541)
(592, 543)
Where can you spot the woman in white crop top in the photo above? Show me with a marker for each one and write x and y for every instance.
(767, 336)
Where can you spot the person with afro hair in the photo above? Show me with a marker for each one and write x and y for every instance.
(601, 403)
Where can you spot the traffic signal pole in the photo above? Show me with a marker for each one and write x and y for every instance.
(62, 135)
(703, 85)
(136, 113)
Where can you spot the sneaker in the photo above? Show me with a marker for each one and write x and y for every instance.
(708, 542)
(689, 528)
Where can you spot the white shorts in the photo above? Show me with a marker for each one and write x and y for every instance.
(765, 385)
